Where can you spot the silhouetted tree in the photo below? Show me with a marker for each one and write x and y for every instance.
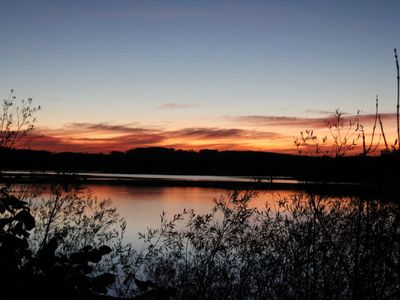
(16, 121)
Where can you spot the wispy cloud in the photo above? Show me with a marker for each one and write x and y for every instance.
(123, 128)
(91, 137)
(176, 105)
(278, 121)
(223, 133)
(319, 111)
(384, 117)
(300, 123)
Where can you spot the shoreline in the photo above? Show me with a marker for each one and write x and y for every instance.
(203, 181)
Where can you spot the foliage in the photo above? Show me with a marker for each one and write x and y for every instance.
(302, 247)
(50, 270)
(69, 211)
(15, 222)
(311, 248)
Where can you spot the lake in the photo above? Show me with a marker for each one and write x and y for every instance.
(141, 206)
(140, 198)
(319, 233)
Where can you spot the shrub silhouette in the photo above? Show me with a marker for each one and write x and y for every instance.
(343, 135)
(44, 273)
(301, 247)
(311, 248)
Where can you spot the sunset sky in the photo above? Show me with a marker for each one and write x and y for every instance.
(119, 74)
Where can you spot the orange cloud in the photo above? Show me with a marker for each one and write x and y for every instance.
(102, 137)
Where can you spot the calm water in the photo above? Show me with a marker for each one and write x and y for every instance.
(142, 206)
(157, 177)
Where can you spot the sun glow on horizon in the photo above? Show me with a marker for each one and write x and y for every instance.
(261, 133)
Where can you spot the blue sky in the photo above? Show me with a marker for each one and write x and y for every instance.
(182, 64)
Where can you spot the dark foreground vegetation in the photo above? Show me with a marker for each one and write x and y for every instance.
(60, 243)
(362, 169)
(63, 244)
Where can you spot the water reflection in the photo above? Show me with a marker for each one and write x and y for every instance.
(142, 206)
(311, 248)
(293, 246)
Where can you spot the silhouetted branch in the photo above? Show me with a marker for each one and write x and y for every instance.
(16, 121)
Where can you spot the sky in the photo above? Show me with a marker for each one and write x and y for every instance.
(111, 75)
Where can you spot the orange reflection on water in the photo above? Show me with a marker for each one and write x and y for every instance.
(142, 206)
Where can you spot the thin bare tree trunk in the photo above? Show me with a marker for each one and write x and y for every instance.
(383, 134)
(373, 129)
(398, 104)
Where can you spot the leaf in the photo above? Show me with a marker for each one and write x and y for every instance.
(2, 208)
(104, 250)
(26, 218)
(100, 283)
(94, 256)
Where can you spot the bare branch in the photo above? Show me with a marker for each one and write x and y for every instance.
(16, 121)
